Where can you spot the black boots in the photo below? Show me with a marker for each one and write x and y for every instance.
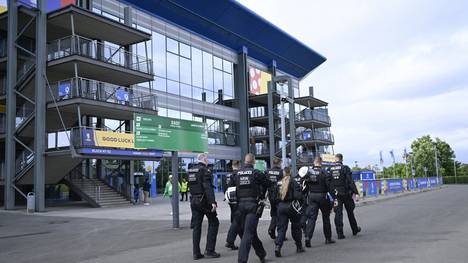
(329, 241)
(278, 251)
(300, 249)
(357, 231)
(231, 246)
(211, 254)
(198, 256)
(307, 243)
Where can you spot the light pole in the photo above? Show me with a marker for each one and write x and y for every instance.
(436, 162)
(455, 170)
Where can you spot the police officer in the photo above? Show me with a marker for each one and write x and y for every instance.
(250, 186)
(202, 202)
(234, 228)
(300, 179)
(289, 209)
(343, 189)
(275, 174)
(318, 185)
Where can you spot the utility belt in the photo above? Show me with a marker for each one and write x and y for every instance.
(248, 199)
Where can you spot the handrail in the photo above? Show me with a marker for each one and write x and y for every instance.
(80, 87)
(78, 45)
(77, 175)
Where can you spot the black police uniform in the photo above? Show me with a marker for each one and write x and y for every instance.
(250, 184)
(303, 220)
(343, 188)
(234, 228)
(286, 213)
(201, 199)
(275, 174)
(318, 185)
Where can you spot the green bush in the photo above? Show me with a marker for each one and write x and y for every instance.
(451, 179)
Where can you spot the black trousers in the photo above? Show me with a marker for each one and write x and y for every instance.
(246, 214)
(273, 215)
(196, 225)
(318, 201)
(234, 229)
(349, 205)
(182, 194)
(286, 214)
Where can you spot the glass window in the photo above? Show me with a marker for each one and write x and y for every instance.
(197, 68)
(159, 54)
(185, 71)
(186, 115)
(296, 92)
(172, 46)
(185, 90)
(173, 114)
(160, 84)
(185, 50)
(218, 80)
(172, 66)
(198, 118)
(227, 79)
(227, 66)
(209, 96)
(207, 71)
(162, 112)
(217, 63)
(173, 87)
(197, 93)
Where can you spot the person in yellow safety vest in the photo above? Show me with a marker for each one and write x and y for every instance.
(183, 190)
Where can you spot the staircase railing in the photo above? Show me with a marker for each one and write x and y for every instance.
(76, 177)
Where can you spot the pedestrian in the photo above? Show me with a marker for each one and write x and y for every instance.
(168, 188)
(136, 194)
(343, 190)
(318, 186)
(251, 185)
(300, 179)
(234, 228)
(274, 174)
(289, 209)
(183, 190)
(146, 191)
(203, 203)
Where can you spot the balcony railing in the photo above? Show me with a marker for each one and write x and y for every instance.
(316, 135)
(101, 91)
(2, 123)
(308, 114)
(3, 85)
(78, 45)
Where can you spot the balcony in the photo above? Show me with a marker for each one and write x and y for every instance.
(95, 59)
(100, 91)
(318, 138)
(312, 119)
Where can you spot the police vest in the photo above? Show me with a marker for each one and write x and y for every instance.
(274, 175)
(195, 180)
(338, 179)
(316, 182)
(245, 185)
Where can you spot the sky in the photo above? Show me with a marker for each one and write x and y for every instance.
(396, 70)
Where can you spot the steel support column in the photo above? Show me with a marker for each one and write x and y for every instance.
(271, 123)
(242, 89)
(292, 129)
(40, 121)
(10, 144)
(175, 189)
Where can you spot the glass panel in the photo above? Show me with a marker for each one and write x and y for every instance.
(172, 46)
(185, 50)
(172, 66)
(50, 140)
(173, 114)
(185, 90)
(159, 54)
(296, 92)
(198, 118)
(197, 68)
(160, 84)
(217, 63)
(185, 71)
(162, 112)
(209, 96)
(207, 71)
(186, 116)
(197, 93)
(173, 87)
(227, 79)
(227, 66)
(218, 80)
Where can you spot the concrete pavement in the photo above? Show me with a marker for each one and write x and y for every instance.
(425, 227)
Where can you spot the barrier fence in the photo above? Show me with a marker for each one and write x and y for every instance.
(386, 186)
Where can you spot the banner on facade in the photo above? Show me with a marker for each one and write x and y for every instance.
(114, 139)
(168, 134)
(258, 81)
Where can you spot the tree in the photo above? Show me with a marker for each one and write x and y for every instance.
(400, 171)
(423, 156)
